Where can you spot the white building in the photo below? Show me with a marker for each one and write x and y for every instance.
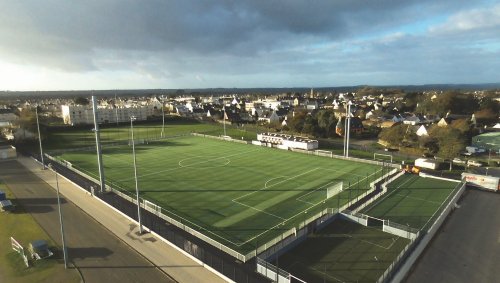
(82, 114)
(287, 141)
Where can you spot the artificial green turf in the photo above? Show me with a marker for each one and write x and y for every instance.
(240, 195)
(343, 252)
(412, 200)
(67, 138)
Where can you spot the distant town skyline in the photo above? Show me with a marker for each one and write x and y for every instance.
(61, 45)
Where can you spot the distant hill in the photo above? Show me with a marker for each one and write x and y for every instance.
(216, 91)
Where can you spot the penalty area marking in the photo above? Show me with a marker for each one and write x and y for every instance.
(265, 185)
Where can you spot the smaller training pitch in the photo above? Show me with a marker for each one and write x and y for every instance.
(343, 252)
(412, 200)
(239, 195)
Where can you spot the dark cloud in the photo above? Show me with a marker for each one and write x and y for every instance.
(280, 41)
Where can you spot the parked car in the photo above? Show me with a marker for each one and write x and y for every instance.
(474, 163)
(459, 161)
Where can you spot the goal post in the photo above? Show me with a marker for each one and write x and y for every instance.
(16, 246)
(137, 141)
(382, 157)
(326, 153)
(334, 189)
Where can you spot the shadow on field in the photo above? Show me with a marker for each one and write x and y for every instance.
(126, 148)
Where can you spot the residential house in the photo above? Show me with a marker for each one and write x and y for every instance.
(422, 131)
(356, 126)
(388, 124)
(413, 120)
(269, 117)
(445, 122)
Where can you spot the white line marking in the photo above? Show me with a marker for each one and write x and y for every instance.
(265, 185)
(421, 199)
(287, 179)
(387, 195)
(177, 168)
(452, 191)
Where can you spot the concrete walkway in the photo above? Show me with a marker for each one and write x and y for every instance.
(179, 266)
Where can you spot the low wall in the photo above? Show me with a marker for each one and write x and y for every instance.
(425, 175)
(272, 272)
(404, 233)
(363, 220)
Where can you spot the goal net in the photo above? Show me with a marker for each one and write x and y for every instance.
(137, 141)
(16, 246)
(334, 189)
(326, 153)
(382, 157)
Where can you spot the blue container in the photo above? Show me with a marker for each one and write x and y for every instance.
(2, 195)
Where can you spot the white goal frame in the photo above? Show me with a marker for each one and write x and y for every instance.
(382, 154)
(16, 246)
(334, 189)
(327, 153)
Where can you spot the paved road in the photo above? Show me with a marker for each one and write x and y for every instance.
(99, 255)
(467, 247)
(163, 255)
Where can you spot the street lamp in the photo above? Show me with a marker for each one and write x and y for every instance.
(132, 119)
(39, 138)
(65, 252)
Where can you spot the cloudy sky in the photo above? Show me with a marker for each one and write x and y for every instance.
(122, 44)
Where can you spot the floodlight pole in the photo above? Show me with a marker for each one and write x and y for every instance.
(345, 129)
(163, 115)
(39, 137)
(116, 111)
(98, 145)
(65, 252)
(132, 118)
(224, 108)
(348, 134)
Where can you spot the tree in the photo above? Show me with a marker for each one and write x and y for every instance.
(81, 101)
(486, 116)
(326, 123)
(450, 141)
(393, 135)
(463, 125)
(296, 123)
(453, 101)
(310, 125)
(27, 123)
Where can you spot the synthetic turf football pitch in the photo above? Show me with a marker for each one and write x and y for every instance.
(343, 252)
(240, 195)
(412, 200)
